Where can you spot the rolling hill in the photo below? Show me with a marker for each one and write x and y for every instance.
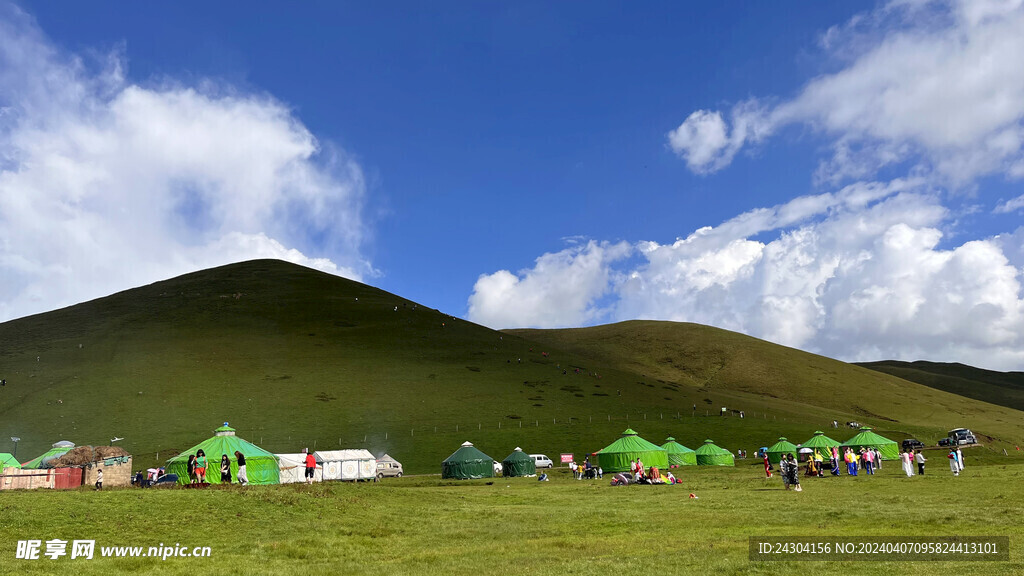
(293, 357)
(1003, 388)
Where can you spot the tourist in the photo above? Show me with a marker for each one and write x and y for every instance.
(201, 463)
(793, 470)
(907, 466)
(878, 459)
(953, 464)
(243, 475)
(959, 458)
(920, 462)
(819, 460)
(310, 465)
(191, 468)
(784, 471)
(225, 469)
(834, 453)
(99, 479)
(767, 466)
(869, 460)
(851, 462)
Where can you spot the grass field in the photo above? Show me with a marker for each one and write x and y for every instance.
(293, 358)
(428, 526)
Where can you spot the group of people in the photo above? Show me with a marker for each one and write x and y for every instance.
(198, 465)
(585, 470)
(640, 475)
(868, 459)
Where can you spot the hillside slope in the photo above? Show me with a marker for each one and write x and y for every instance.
(1003, 388)
(292, 357)
(726, 364)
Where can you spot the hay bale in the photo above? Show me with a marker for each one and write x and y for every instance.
(85, 455)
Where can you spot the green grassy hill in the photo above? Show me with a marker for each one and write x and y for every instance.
(292, 357)
(732, 369)
(1003, 388)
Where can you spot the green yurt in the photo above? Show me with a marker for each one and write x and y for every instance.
(518, 464)
(467, 463)
(43, 461)
(679, 455)
(260, 466)
(889, 449)
(821, 443)
(8, 461)
(777, 450)
(710, 455)
(617, 456)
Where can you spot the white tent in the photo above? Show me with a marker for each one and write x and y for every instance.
(347, 464)
(293, 468)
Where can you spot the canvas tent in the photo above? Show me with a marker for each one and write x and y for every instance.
(8, 461)
(43, 461)
(821, 443)
(710, 455)
(679, 455)
(261, 466)
(617, 456)
(518, 464)
(347, 464)
(780, 448)
(888, 449)
(291, 468)
(466, 463)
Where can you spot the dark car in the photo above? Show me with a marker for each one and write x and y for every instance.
(912, 444)
(945, 442)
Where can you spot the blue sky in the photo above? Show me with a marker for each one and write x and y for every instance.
(533, 164)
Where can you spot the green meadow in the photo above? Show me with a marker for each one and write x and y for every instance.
(295, 358)
(424, 525)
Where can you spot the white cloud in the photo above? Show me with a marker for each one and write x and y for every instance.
(935, 83)
(707, 144)
(1011, 205)
(858, 274)
(106, 184)
(562, 289)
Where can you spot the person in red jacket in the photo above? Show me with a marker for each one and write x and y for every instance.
(310, 466)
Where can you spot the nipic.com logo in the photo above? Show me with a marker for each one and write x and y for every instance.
(86, 549)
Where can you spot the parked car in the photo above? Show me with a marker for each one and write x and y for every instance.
(388, 467)
(945, 442)
(542, 461)
(961, 436)
(912, 444)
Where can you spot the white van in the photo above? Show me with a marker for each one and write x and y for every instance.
(542, 461)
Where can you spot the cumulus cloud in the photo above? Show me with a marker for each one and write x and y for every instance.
(937, 83)
(708, 144)
(562, 289)
(858, 274)
(106, 184)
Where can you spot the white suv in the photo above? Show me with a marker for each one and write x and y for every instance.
(542, 461)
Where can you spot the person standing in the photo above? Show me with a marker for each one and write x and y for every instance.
(767, 466)
(908, 467)
(794, 473)
(953, 464)
(959, 458)
(225, 469)
(310, 466)
(243, 474)
(99, 479)
(877, 463)
(784, 471)
(201, 464)
(920, 462)
(868, 460)
(191, 469)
